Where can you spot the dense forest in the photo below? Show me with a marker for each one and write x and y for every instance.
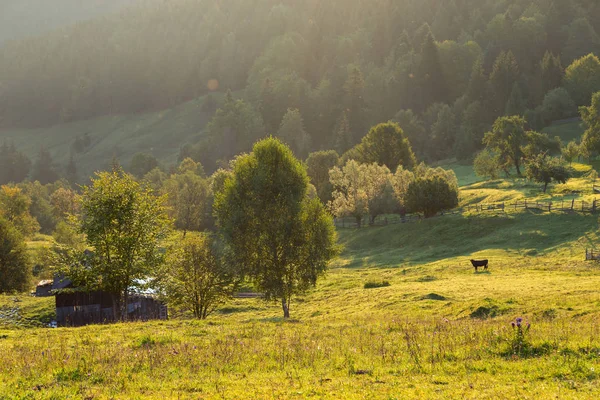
(444, 70)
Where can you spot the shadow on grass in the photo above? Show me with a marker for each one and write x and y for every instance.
(527, 233)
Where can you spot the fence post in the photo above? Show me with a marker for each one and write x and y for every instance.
(594, 206)
(572, 204)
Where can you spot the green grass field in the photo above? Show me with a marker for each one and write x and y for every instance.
(438, 331)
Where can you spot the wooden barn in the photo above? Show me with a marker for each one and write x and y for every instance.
(44, 288)
(76, 307)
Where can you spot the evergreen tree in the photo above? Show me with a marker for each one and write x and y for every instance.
(552, 72)
(71, 171)
(582, 39)
(433, 83)
(503, 77)
(269, 107)
(14, 165)
(354, 101)
(477, 84)
(343, 134)
(293, 134)
(515, 104)
(44, 169)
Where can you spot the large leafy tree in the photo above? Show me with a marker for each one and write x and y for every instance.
(188, 194)
(362, 189)
(430, 195)
(15, 272)
(545, 169)
(14, 207)
(386, 144)
(124, 224)
(507, 139)
(279, 237)
(195, 276)
(582, 79)
(590, 142)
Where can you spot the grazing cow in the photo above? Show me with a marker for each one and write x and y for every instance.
(479, 263)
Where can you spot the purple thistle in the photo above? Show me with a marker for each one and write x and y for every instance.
(519, 320)
(513, 324)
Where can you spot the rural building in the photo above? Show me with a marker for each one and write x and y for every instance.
(44, 288)
(77, 307)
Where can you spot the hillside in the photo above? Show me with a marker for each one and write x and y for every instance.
(24, 18)
(158, 133)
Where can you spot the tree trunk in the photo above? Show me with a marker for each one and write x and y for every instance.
(124, 314)
(358, 221)
(518, 168)
(545, 186)
(116, 307)
(286, 308)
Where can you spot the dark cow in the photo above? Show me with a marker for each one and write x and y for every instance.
(479, 263)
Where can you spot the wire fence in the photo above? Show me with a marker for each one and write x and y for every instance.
(564, 206)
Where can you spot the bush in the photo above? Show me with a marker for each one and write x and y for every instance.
(375, 285)
(431, 195)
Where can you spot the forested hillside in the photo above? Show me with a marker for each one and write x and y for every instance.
(445, 70)
(21, 18)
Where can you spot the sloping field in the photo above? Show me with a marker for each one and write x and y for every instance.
(160, 134)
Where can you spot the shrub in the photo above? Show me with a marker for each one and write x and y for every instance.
(375, 284)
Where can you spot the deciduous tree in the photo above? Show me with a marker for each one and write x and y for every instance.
(279, 237)
(15, 271)
(196, 276)
(125, 224)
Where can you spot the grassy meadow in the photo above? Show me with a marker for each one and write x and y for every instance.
(432, 329)
(159, 133)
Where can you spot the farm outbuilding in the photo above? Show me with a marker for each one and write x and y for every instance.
(44, 288)
(77, 307)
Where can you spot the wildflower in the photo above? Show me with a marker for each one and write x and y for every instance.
(519, 320)
(513, 324)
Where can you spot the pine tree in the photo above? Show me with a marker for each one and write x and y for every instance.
(515, 104)
(433, 83)
(504, 75)
(343, 134)
(44, 169)
(292, 133)
(14, 165)
(268, 107)
(552, 72)
(477, 83)
(354, 89)
(71, 171)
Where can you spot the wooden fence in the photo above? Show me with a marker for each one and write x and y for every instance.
(549, 206)
(580, 206)
(591, 254)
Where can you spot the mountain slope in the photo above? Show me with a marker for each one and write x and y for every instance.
(160, 134)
